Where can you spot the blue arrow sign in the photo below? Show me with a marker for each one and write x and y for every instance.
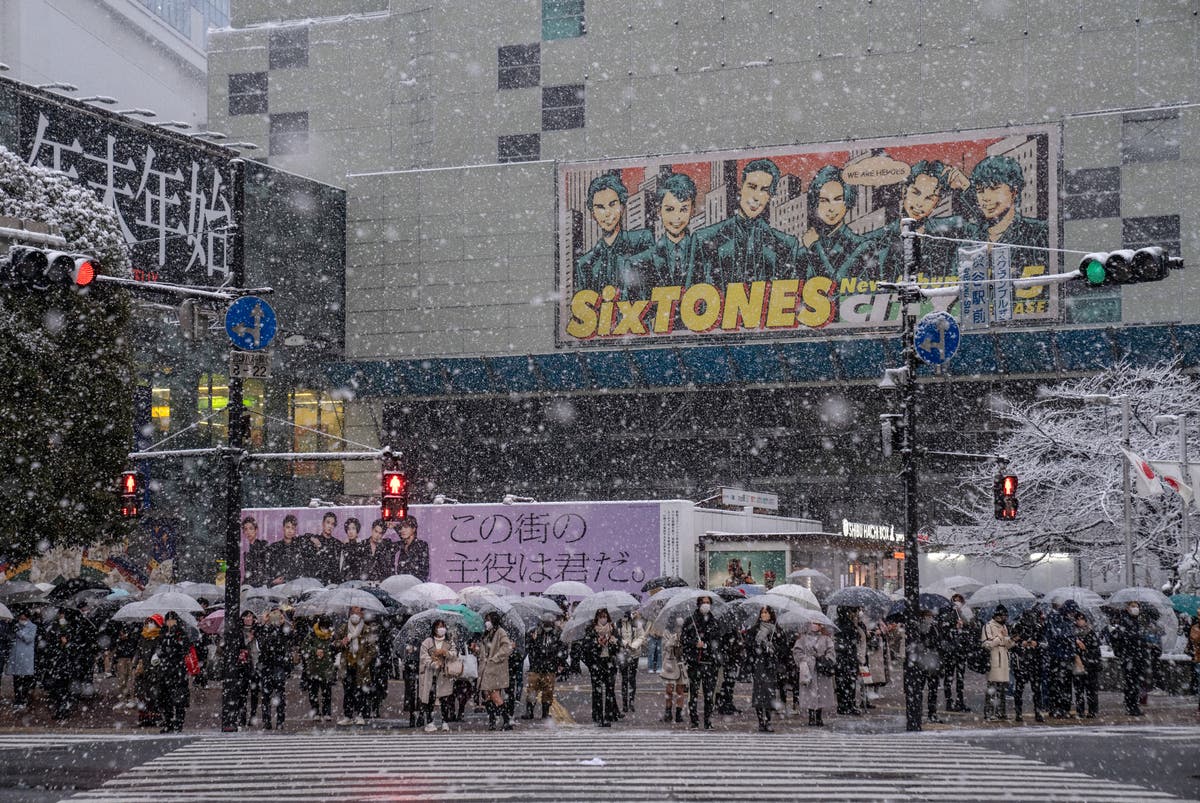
(936, 338)
(250, 323)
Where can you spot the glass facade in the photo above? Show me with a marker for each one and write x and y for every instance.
(178, 14)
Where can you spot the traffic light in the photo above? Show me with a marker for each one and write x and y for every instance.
(131, 492)
(394, 504)
(27, 268)
(1128, 266)
(1004, 496)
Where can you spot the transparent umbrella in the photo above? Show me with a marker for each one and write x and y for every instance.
(174, 601)
(141, 611)
(810, 576)
(798, 593)
(434, 591)
(569, 588)
(532, 609)
(1166, 622)
(799, 619)
(750, 608)
(652, 607)
(683, 605)
(859, 597)
(294, 588)
(999, 592)
(399, 583)
(420, 627)
(5, 613)
(956, 584)
(615, 602)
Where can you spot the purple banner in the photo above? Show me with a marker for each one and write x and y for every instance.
(607, 545)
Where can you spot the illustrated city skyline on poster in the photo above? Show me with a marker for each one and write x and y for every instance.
(794, 240)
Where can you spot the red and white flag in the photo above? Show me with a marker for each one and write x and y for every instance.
(1172, 477)
(1146, 480)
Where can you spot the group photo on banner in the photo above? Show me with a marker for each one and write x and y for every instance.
(771, 241)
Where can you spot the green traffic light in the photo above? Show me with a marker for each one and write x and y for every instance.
(1094, 270)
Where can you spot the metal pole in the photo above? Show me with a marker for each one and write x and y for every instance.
(912, 570)
(233, 477)
(1185, 537)
(1127, 492)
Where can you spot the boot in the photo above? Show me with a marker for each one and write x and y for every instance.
(490, 707)
(545, 710)
(667, 714)
(528, 711)
(820, 720)
(762, 723)
(507, 726)
(678, 714)
(812, 718)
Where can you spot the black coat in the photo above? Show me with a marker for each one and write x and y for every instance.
(286, 560)
(593, 650)
(763, 658)
(322, 560)
(380, 564)
(173, 649)
(545, 650)
(1027, 661)
(275, 644)
(351, 561)
(1127, 635)
(700, 641)
(255, 565)
(413, 559)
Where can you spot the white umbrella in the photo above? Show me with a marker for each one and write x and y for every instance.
(5, 613)
(615, 602)
(206, 590)
(501, 590)
(294, 588)
(339, 601)
(399, 583)
(569, 588)
(811, 575)
(956, 584)
(652, 607)
(434, 591)
(800, 618)
(1083, 597)
(683, 605)
(1167, 623)
(173, 601)
(799, 593)
(750, 607)
(170, 588)
(476, 591)
(141, 611)
(999, 592)
(534, 608)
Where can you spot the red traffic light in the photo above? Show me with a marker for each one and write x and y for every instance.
(129, 482)
(1009, 485)
(131, 491)
(394, 505)
(85, 271)
(394, 483)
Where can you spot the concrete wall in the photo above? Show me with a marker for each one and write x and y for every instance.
(460, 261)
(106, 47)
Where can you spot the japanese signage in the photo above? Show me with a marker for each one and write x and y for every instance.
(872, 532)
(780, 242)
(526, 546)
(172, 198)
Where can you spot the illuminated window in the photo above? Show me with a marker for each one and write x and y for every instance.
(160, 410)
(316, 415)
(212, 395)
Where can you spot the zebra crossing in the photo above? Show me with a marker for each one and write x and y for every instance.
(579, 763)
(63, 739)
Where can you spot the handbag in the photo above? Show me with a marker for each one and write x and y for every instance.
(825, 666)
(470, 667)
(192, 662)
(864, 674)
(454, 668)
(1078, 669)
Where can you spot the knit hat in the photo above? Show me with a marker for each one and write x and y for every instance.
(157, 618)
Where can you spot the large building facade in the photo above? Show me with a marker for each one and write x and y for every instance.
(467, 134)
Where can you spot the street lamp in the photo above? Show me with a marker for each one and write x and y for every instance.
(1180, 421)
(1123, 400)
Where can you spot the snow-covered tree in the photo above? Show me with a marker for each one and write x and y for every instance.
(1068, 458)
(66, 414)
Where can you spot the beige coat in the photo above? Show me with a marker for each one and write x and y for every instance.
(673, 668)
(431, 670)
(815, 690)
(995, 638)
(493, 660)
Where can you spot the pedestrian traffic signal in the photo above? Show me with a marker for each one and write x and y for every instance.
(395, 496)
(1127, 266)
(131, 492)
(34, 269)
(1004, 496)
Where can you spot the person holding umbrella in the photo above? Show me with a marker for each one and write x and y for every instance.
(924, 659)
(173, 650)
(600, 645)
(319, 655)
(249, 679)
(439, 666)
(700, 642)
(494, 648)
(958, 634)
(845, 642)
(275, 642)
(815, 657)
(1127, 633)
(764, 643)
(1028, 657)
(21, 659)
(674, 672)
(632, 632)
(358, 640)
(996, 639)
(147, 669)
(59, 644)
(1086, 668)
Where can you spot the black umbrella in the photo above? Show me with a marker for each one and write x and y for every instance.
(17, 592)
(925, 602)
(666, 581)
(69, 588)
(729, 594)
(859, 597)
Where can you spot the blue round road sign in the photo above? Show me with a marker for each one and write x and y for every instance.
(936, 337)
(250, 323)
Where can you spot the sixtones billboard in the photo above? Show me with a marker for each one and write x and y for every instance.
(794, 241)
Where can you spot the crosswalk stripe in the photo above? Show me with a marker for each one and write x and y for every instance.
(550, 764)
(24, 741)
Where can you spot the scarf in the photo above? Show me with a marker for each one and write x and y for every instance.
(604, 637)
(150, 632)
(765, 631)
(324, 635)
(353, 631)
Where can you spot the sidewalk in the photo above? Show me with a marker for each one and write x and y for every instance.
(574, 707)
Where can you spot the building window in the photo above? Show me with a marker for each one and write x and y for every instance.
(1092, 193)
(562, 107)
(288, 47)
(1150, 137)
(289, 133)
(562, 19)
(1139, 232)
(319, 421)
(247, 93)
(520, 66)
(519, 148)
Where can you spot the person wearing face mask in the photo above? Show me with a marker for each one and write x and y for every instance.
(764, 645)
(815, 658)
(633, 638)
(957, 635)
(1086, 668)
(494, 649)
(924, 659)
(1127, 634)
(275, 642)
(674, 671)
(600, 645)
(248, 672)
(700, 639)
(995, 638)
(173, 677)
(58, 644)
(439, 655)
(845, 642)
(358, 640)
(546, 659)
(319, 654)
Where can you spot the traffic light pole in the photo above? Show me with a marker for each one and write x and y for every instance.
(910, 297)
(233, 477)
